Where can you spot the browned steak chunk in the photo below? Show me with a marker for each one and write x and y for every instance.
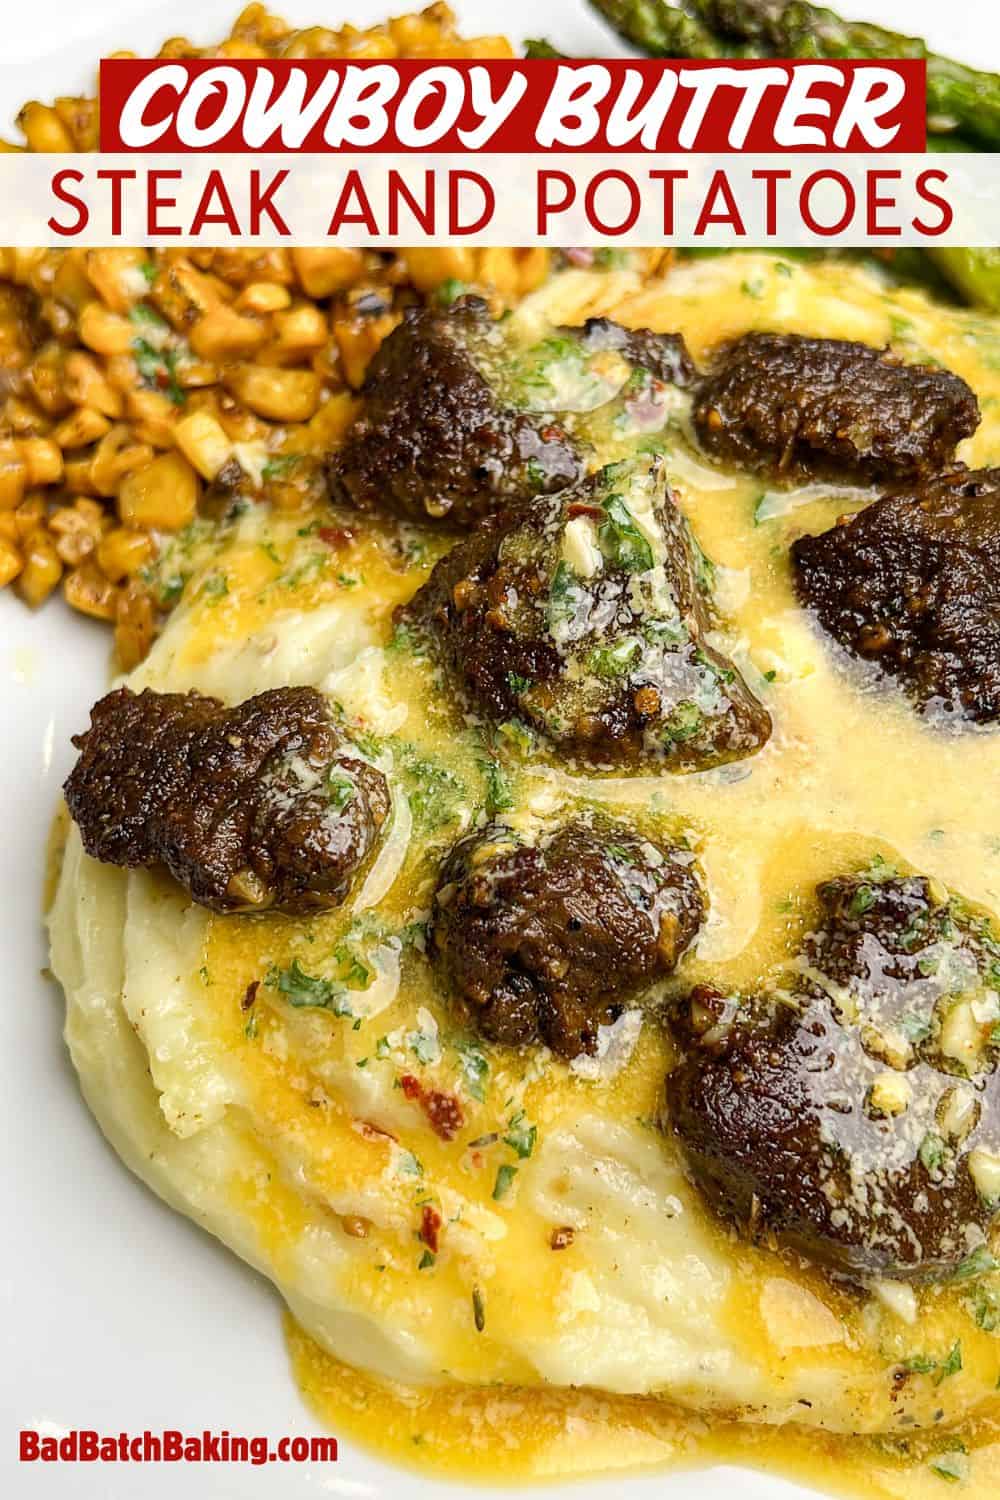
(853, 1110)
(586, 620)
(435, 440)
(913, 583)
(261, 805)
(790, 406)
(547, 941)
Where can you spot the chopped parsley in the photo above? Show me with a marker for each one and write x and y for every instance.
(941, 1369)
(565, 596)
(521, 1137)
(280, 465)
(615, 660)
(978, 1263)
(499, 794)
(953, 1468)
(683, 724)
(309, 990)
(340, 789)
(620, 539)
(504, 1181)
(474, 1069)
(156, 363)
(932, 1152)
(862, 901)
(983, 1306)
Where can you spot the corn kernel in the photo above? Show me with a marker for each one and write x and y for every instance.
(87, 590)
(104, 331)
(322, 272)
(201, 439)
(135, 625)
(123, 552)
(42, 460)
(43, 129)
(263, 297)
(280, 395)
(161, 497)
(41, 572)
(13, 475)
(81, 427)
(11, 563)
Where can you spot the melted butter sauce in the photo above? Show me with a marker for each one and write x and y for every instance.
(851, 771)
(510, 1435)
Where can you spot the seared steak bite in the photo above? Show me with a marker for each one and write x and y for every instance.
(852, 1109)
(791, 405)
(435, 442)
(550, 939)
(913, 583)
(586, 619)
(464, 418)
(261, 805)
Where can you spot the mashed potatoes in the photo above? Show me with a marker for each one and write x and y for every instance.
(554, 1239)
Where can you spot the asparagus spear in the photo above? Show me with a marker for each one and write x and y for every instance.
(536, 47)
(958, 97)
(974, 273)
(663, 30)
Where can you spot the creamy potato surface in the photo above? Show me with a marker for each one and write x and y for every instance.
(554, 1241)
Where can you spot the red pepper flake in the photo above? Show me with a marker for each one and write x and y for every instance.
(581, 508)
(250, 994)
(337, 537)
(430, 1228)
(443, 1111)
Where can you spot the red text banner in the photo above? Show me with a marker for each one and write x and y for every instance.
(333, 105)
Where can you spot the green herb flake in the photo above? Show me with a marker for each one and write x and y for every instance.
(979, 1263)
(475, 1070)
(615, 660)
(478, 1309)
(683, 724)
(862, 901)
(499, 794)
(919, 1364)
(983, 1306)
(952, 1365)
(953, 1468)
(408, 1165)
(308, 990)
(621, 541)
(565, 596)
(449, 291)
(520, 1136)
(932, 1152)
(340, 789)
(427, 1260)
(424, 1047)
(280, 465)
(504, 1181)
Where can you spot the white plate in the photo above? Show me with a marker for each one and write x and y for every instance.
(117, 1314)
